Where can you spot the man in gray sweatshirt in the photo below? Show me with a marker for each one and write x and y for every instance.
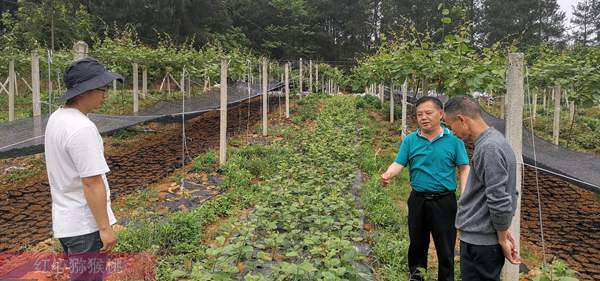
(486, 207)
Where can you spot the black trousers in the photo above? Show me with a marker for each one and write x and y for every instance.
(431, 214)
(85, 261)
(480, 263)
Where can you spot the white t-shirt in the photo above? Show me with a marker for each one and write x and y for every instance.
(74, 149)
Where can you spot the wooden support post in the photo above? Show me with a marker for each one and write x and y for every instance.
(514, 136)
(136, 102)
(144, 81)
(12, 81)
(556, 125)
(287, 90)
(264, 99)
(391, 103)
(114, 82)
(223, 119)
(35, 83)
(300, 78)
(168, 84)
(534, 104)
(404, 106)
(571, 111)
(310, 79)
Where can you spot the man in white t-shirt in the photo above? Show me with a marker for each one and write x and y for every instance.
(74, 151)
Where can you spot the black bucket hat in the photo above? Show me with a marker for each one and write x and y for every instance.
(84, 75)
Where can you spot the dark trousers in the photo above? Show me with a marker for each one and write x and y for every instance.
(480, 263)
(85, 261)
(431, 214)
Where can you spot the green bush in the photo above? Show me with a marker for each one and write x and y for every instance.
(206, 162)
(368, 102)
(557, 271)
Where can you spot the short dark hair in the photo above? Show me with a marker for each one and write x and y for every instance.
(434, 100)
(464, 105)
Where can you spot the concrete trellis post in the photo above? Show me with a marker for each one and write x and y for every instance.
(571, 111)
(317, 76)
(391, 103)
(12, 81)
(144, 81)
(544, 101)
(189, 85)
(300, 78)
(136, 101)
(223, 119)
(50, 84)
(264, 99)
(556, 124)
(310, 74)
(404, 101)
(182, 83)
(35, 83)
(287, 90)
(502, 107)
(514, 136)
(80, 49)
(535, 102)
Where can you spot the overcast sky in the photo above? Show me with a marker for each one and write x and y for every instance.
(566, 6)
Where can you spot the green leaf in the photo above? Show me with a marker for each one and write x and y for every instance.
(291, 254)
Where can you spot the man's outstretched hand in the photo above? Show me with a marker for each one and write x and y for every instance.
(385, 178)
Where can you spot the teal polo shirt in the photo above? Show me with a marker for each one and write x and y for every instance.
(432, 163)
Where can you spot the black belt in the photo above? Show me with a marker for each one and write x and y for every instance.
(432, 195)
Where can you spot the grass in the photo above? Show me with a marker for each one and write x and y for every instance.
(383, 205)
(24, 169)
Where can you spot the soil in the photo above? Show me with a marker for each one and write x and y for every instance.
(25, 207)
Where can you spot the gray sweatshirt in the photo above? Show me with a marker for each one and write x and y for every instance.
(490, 197)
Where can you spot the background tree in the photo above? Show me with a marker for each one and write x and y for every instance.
(32, 24)
(523, 21)
(584, 20)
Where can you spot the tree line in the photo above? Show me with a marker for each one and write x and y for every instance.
(331, 30)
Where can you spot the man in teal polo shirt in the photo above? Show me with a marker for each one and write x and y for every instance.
(433, 155)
